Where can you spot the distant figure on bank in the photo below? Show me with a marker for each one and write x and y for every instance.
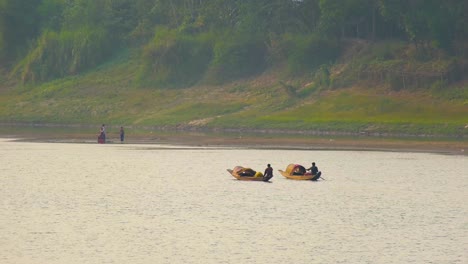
(314, 170)
(122, 134)
(102, 134)
(268, 174)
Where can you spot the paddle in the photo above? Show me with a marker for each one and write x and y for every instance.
(320, 177)
(319, 174)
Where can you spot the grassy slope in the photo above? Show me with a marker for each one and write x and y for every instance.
(109, 95)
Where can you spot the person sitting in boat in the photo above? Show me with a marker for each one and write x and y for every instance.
(299, 170)
(314, 170)
(268, 174)
(247, 172)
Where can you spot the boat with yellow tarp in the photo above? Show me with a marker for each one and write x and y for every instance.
(299, 172)
(246, 174)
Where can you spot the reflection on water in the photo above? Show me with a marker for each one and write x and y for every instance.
(89, 203)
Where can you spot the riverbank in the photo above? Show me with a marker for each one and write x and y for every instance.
(254, 141)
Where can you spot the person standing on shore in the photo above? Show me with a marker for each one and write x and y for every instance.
(268, 174)
(122, 134)
(102, 134)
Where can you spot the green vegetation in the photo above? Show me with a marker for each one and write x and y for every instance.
(349, 66)
(237, 57)
(173, 59)
(306, 53)
(58, 55)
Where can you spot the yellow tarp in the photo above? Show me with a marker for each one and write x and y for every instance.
(245, 171)
(295, 168)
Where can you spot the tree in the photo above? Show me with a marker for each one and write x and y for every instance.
(348, 18)
(427, 21)
(18, 24)
(51, 14)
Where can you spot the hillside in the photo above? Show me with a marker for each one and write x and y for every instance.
(352, 67)
(267, 101)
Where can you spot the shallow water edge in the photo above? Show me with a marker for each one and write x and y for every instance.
(72, 134)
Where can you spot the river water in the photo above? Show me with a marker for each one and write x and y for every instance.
(90, 203)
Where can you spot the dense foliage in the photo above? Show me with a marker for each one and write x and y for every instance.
(186, 41)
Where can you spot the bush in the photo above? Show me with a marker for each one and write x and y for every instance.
(66, 53)
(174, 59)
(237, 57)
(308, 52)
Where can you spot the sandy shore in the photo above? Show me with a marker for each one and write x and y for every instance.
(452, 147)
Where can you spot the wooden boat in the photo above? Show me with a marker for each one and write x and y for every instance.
(299, 172)
(246, 174)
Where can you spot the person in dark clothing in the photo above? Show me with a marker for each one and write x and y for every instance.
(122, 134)
(314, 170)
(102, 134)
(268, 174)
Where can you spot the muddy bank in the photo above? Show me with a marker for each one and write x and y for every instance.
(252, 140)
